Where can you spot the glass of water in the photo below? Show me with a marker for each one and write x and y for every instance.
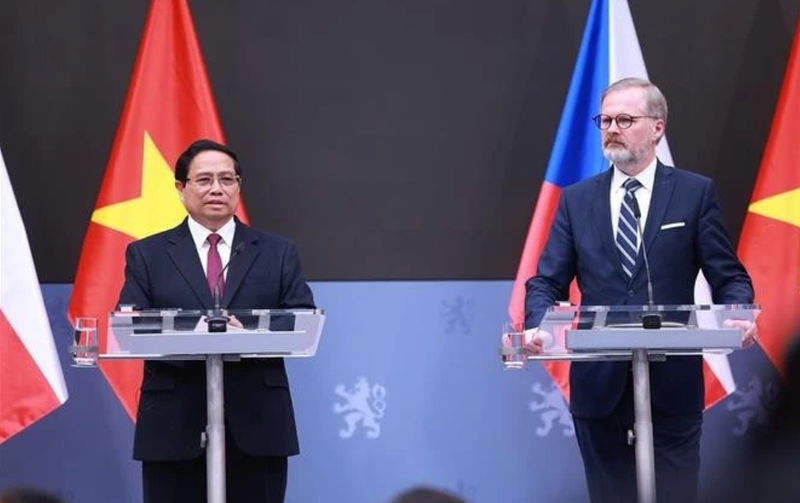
(84, 346)
(515, 356)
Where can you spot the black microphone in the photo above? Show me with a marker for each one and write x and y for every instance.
(218, 322)
(649, 320)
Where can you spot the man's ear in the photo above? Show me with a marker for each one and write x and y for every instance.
(659, 129)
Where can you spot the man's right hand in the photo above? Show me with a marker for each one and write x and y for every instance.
(532, 341)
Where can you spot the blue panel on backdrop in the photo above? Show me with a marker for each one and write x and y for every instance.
(407, 388)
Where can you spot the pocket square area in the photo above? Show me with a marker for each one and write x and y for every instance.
(673, 225)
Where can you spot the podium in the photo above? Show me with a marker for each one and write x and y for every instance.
(175, 334)
(602, 333)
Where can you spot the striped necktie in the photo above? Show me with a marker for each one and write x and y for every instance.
(627, 235)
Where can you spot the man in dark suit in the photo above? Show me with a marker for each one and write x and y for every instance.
(181, 268)
(594, 238)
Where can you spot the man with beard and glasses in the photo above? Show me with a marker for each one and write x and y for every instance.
(596, 240)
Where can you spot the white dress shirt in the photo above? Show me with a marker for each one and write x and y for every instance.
(200, 235)
(643, 194)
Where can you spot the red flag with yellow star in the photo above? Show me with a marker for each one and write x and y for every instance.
(770, 242)
(169, 105)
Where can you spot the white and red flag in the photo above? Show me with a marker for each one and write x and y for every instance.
(31, 382)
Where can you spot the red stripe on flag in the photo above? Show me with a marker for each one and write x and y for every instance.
(25, 394)
(715, 391)
(543, 216)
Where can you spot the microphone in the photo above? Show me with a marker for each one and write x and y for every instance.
(218, 322)
(649, 320)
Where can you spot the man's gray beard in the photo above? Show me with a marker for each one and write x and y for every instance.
(627, 160)
(620, 157)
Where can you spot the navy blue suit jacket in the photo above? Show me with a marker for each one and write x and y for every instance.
(164, 271)
(581, 245)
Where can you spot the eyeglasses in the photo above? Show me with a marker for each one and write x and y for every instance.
(624, 121)
(206, 181)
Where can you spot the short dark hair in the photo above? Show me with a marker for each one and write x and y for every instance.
(427, 495)
(182, 164)
(28, 495)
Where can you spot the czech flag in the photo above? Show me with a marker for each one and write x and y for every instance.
(609, 52)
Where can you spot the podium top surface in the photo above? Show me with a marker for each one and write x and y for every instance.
(658, 308)
(181, 334)
(193, 313)
(632, 316)
(681, 329)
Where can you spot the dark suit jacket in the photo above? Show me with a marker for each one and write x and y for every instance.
(581, 244)
(164, 271)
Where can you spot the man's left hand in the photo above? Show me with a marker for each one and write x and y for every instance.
(234, 322)
(748, 328)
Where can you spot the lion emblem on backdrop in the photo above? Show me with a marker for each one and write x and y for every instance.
(752, 404)
(552, 410)
(457, 314)
(364, 405)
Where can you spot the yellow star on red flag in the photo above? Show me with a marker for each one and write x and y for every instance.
(158, 208)
(784, 207)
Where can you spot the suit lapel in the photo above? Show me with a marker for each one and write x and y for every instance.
(246, 242)
(602, 216)
(663, 185)
(182, 251)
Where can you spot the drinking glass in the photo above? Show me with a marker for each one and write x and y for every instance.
(84, 347)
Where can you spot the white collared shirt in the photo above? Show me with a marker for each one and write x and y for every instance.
(643, 195)
(200, 235)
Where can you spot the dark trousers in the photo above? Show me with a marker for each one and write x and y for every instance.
(249, 479)
(610, 463)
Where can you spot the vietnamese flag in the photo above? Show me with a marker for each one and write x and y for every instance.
(769, 245)
(609, 51)
(169, 105)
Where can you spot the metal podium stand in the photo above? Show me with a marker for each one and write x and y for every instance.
(183, 335)
(598, 333)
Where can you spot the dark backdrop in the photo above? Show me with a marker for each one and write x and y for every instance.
(393, 139)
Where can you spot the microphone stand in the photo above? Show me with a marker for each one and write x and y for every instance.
(650, 320)
(217, 320)
(642, 435)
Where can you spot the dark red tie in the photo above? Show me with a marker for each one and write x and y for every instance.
(214, 266)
